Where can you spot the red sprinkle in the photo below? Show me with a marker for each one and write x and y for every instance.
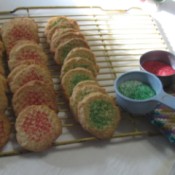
(37, 126)
(158, 68)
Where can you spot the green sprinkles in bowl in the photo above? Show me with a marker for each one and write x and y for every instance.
(136, 90)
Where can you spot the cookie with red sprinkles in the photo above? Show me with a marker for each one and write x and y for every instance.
(3, 97)
(34, 93)
(1, 69)
(18, 29)
(30, 73)
(5, 130)
(1, 48)
(3, 83)
(13, 73)
(26, 52)
(37, 128)
(3, 101)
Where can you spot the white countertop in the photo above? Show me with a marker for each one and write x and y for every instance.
(147, 156)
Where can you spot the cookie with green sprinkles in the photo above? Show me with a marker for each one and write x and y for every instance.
(64, 26)
(58, 20)
(98, 114)
(57, 23)
(61, 31)
(55, 42)
(79, 62)
(81, 90)
(52, 22)
(64, 48)
(73, 77)
(81, 52)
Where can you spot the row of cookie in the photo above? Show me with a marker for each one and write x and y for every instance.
(63, 35)
(69, 45)
(94, 109)
(5, 126)
(91, 105)
(33, 96)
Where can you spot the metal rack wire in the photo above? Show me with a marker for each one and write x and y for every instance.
(117, 38)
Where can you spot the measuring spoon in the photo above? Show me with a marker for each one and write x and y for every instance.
(141, 107)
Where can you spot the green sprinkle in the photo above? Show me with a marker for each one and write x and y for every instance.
(72, 66)
(136, 90)
(100, 112)
(76, 79)
(57, 22)
(73, 43)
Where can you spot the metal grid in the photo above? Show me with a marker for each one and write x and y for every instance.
(117, 38)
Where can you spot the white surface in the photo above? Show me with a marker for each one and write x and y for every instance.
(165, 17)
(139, 157)
(148, 156)
(11, 4)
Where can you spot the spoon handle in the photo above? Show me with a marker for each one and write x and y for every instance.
(167, 100)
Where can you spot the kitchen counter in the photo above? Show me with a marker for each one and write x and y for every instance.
(141, 156)
(165, 15)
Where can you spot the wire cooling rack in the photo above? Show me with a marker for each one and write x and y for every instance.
(117, 38)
